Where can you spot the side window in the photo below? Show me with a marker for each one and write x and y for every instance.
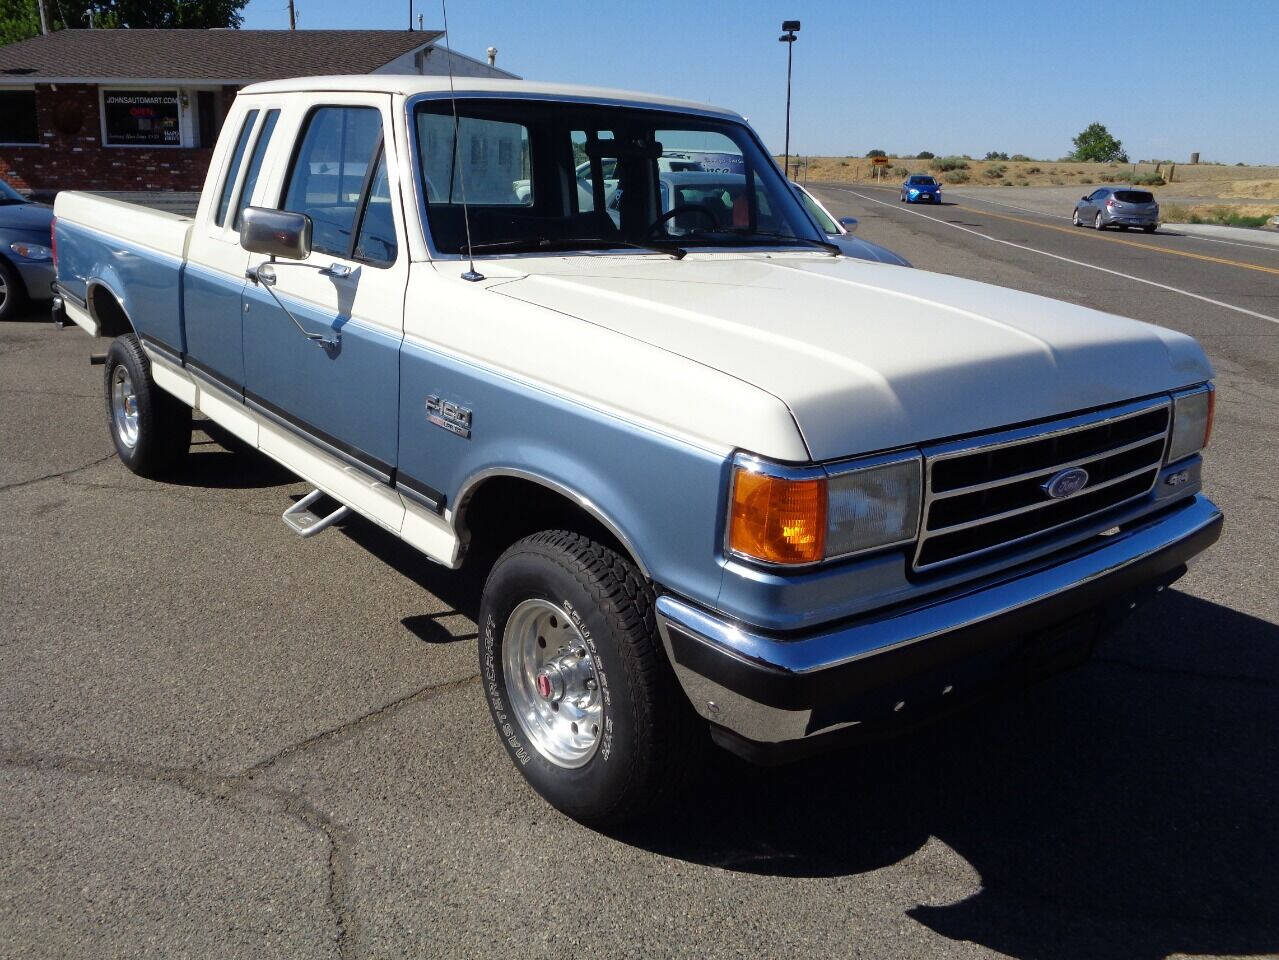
(376, 240)
(233, 171)
(255, 165)
(329, 174)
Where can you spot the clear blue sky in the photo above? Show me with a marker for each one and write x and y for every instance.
(951, 76)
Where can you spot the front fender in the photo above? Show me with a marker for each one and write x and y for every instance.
(661, 496)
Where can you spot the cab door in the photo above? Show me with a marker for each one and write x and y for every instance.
(339, 390)
(213, 278)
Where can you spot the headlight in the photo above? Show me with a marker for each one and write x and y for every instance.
(31, 251)
(1192, 414)
(803, 516)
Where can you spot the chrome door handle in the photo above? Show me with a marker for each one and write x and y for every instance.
(336, 270)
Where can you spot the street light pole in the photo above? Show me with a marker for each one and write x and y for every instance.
(789, 28)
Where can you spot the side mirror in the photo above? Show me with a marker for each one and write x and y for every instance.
(1084, 197)
(277, 233)
(849, 224)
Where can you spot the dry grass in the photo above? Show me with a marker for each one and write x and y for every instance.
(1232, 216)
(1199, 180)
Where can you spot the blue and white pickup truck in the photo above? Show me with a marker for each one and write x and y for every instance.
(723, 479)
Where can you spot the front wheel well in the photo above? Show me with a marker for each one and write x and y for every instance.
(106, 310)
(502, 510)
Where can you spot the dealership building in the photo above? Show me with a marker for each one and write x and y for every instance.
(141, 109)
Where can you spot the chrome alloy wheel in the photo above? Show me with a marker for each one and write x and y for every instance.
(4, 291)
(553, 683)
(124, 406)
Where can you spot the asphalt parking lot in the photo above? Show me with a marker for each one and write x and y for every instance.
(222, 740)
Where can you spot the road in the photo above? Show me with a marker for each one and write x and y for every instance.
(220, 739)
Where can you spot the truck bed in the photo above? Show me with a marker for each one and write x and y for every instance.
(136, 252)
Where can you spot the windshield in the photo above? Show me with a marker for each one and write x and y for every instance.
(10, 195)
(922, 181)
(543, 174)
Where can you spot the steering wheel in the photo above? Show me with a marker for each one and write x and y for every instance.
(682, 208)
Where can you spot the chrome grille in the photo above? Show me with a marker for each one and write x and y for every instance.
(987, 493)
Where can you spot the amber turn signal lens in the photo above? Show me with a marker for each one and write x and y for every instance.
(777, 520)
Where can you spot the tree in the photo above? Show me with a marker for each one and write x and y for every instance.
(876, 153)
(1095, 143)
(996, 155)
(925, 155)
(20, 19)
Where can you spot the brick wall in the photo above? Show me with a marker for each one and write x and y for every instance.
(74, 159)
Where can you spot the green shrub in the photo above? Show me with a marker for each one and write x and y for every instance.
(946, 164)
(995, 172)
(1087, 180)
(955, 176)
(843, 163)
(1147, 180)
(1023, 182)
(1020, 158)
(1033, 170)
(1108, 178)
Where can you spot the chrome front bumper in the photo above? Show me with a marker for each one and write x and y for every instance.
(760, 689)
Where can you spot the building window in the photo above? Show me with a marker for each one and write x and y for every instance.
(141, 118)
(18, 117)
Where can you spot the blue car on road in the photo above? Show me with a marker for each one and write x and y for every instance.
(920, 187)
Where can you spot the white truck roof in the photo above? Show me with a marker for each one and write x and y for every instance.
(409, 84)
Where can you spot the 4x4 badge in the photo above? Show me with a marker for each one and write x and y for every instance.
(449, 415)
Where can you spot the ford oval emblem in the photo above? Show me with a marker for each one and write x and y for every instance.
(1066, 483)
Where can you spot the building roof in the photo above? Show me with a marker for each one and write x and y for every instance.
(409, 84)
(203, 56)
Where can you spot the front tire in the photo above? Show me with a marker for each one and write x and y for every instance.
(578, 686)
(151, 429)
(1074, 218)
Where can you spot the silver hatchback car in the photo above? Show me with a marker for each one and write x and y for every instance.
(1121, 207)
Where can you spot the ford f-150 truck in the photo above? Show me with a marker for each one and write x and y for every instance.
(722, 478)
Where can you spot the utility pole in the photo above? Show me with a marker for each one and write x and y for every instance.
(44, 17)
(789, 28)
(293, 17)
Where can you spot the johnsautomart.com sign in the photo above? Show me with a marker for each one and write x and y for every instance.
(139, 118)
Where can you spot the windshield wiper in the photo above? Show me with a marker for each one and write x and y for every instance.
(576, 243)
(782, 238)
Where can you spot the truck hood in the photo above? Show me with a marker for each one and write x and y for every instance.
(869, 356)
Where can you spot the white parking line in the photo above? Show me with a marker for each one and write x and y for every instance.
(1057, 256)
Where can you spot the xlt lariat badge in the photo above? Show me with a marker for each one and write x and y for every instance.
(449, 415)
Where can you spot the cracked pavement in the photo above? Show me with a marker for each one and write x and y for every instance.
(219, 739)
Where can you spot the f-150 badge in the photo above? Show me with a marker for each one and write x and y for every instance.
(449, 415)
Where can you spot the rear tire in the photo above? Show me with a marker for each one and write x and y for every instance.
(1096, 222)
(12, 293)
(577, 683)
(151, 429)
(1123, 227)
(1151, 229)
